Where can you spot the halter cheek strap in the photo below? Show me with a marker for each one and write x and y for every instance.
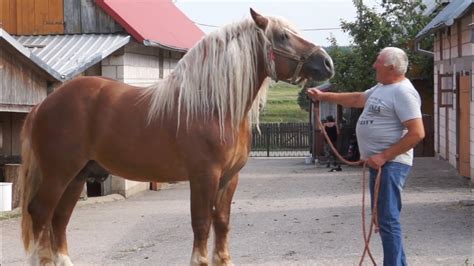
(270, 51)
(300, 59)
(270, 60)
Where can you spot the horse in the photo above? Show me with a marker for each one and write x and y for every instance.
(194, 125)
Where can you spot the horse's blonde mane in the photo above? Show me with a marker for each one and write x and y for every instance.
(217, 76)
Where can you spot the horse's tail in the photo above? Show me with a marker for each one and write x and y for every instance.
(29, 179)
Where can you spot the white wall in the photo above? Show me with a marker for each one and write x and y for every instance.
(451, 63)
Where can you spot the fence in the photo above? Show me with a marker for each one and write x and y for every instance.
(281, 140)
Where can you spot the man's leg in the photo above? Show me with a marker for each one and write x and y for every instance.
(389, 207)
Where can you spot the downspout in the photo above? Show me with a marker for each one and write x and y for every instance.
(418, 47)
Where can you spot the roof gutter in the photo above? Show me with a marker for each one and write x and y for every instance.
(418, 47)
(156, 44)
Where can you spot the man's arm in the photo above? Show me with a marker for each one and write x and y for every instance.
(346, 99)
(416, 132)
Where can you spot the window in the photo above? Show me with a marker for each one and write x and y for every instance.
(445, 90)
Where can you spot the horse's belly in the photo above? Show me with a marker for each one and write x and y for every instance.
(145, 171)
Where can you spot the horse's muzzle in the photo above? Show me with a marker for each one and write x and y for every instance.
(319, 66)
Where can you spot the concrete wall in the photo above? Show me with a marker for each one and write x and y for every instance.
(138, 65)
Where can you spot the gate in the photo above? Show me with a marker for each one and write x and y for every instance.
(289, 139)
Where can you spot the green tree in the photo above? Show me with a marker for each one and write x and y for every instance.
(396, 25)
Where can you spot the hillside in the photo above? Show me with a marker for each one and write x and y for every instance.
(282, 105)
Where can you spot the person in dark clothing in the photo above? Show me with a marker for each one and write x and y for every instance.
(332, 130)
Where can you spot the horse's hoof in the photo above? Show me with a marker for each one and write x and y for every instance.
(63, 260)
(197, 260)
(219, 261)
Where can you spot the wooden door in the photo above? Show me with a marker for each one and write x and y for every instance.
(464, 125)
(24, 17)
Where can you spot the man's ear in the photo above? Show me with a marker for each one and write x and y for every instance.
(261, 21)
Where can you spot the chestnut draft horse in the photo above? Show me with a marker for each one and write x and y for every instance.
(194, 125)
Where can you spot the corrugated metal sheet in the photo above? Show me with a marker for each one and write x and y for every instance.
(446, 17)
(11, 41)
(65, 56)
(154, 23)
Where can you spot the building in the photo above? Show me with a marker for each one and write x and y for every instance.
(54, 41)
(453, 53)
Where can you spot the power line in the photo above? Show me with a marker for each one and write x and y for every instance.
(318, 29)
(310, 29)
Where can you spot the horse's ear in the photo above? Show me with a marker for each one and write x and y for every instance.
(260, 20)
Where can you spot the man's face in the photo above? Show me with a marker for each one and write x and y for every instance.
(382, 73)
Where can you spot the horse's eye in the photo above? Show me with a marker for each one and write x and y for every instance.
(284, 36)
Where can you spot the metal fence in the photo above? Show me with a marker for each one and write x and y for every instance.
(281, 140)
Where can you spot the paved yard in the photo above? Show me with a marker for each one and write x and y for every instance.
(284, 213)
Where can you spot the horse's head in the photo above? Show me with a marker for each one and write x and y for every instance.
(288, 55)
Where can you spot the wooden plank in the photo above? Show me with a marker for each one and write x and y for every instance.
(26, 17)
(54, 19)
(17, 123)
(104, 25)
(19, 17)
(20, 84)
(464, 128)
(8, 16)
(5, 119)
(88, 17)
(72, 16)
(39, 16)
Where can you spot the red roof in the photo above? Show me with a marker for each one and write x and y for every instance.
(155, 21)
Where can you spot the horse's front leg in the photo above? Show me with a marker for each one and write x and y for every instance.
(221, 217)
(203, 192)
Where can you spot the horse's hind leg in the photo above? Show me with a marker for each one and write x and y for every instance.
(42, 208)
(63, 213)
(221, 216)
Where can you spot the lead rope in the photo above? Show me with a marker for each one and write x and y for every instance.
(374, 219)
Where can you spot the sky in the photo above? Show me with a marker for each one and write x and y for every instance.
(316, 19)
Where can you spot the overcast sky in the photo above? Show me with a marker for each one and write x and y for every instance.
(311, 17)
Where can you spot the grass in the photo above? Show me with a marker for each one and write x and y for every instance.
(282, 105)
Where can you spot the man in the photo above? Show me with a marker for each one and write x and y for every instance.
(332, 130)
(387, 130)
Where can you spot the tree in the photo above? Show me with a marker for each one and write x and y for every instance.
(397, 25)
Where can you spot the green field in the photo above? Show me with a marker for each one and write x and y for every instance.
(282, 104)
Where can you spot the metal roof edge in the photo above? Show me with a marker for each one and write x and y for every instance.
(441, 24)
(157, 44)
(71, 74)
(28, 54)
(7, 37)
(38, 61)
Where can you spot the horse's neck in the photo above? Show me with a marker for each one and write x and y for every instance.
(261, 77)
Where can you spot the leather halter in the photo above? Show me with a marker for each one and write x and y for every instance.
(302, 59)
(270, 58)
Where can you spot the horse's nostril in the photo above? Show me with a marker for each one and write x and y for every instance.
(328, 64)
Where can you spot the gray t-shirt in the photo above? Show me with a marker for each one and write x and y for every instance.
(381, 123)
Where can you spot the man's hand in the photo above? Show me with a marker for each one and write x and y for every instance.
(346, 99)
(314, 94)
(377, 161)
